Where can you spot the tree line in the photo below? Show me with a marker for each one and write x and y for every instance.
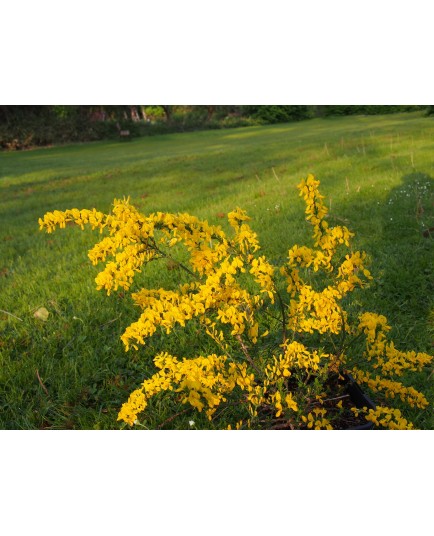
(24, 126)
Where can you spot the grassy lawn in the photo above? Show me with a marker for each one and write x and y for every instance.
(72, 371)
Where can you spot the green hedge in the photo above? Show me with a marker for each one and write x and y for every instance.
(26, 126)
(364, 109)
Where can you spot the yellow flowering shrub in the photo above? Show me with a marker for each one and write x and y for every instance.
(282, 336)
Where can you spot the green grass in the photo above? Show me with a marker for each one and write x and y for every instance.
(377, 174)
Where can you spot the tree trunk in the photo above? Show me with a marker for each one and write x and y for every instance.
(168, 112)
(211, 110)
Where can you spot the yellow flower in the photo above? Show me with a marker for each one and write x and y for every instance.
(290, 402)
(229, 291)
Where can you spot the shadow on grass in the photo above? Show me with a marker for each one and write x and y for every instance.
(405, 287)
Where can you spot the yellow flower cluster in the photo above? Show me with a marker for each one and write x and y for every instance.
(311, 310)
(373, 326)
(391, 389)
(289, 402)
(297, 355)
(316, 311)
(327, 239)
(51, 220)
(388, 359)
(126, 245)
(396, 362)
(316, 420)
(219, 294)
(384, 417)
(348, 271)
(315, 208)
(263, 272)
(245, 239)
(272, 362)
(201, 382)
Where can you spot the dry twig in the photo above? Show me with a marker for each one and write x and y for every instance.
(41, 383)
(10, 314)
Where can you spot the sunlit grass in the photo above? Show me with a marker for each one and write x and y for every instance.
(72, 371)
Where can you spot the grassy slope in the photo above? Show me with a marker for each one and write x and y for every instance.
(375, 171)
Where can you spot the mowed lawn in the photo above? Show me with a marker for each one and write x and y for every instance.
(71, 370)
